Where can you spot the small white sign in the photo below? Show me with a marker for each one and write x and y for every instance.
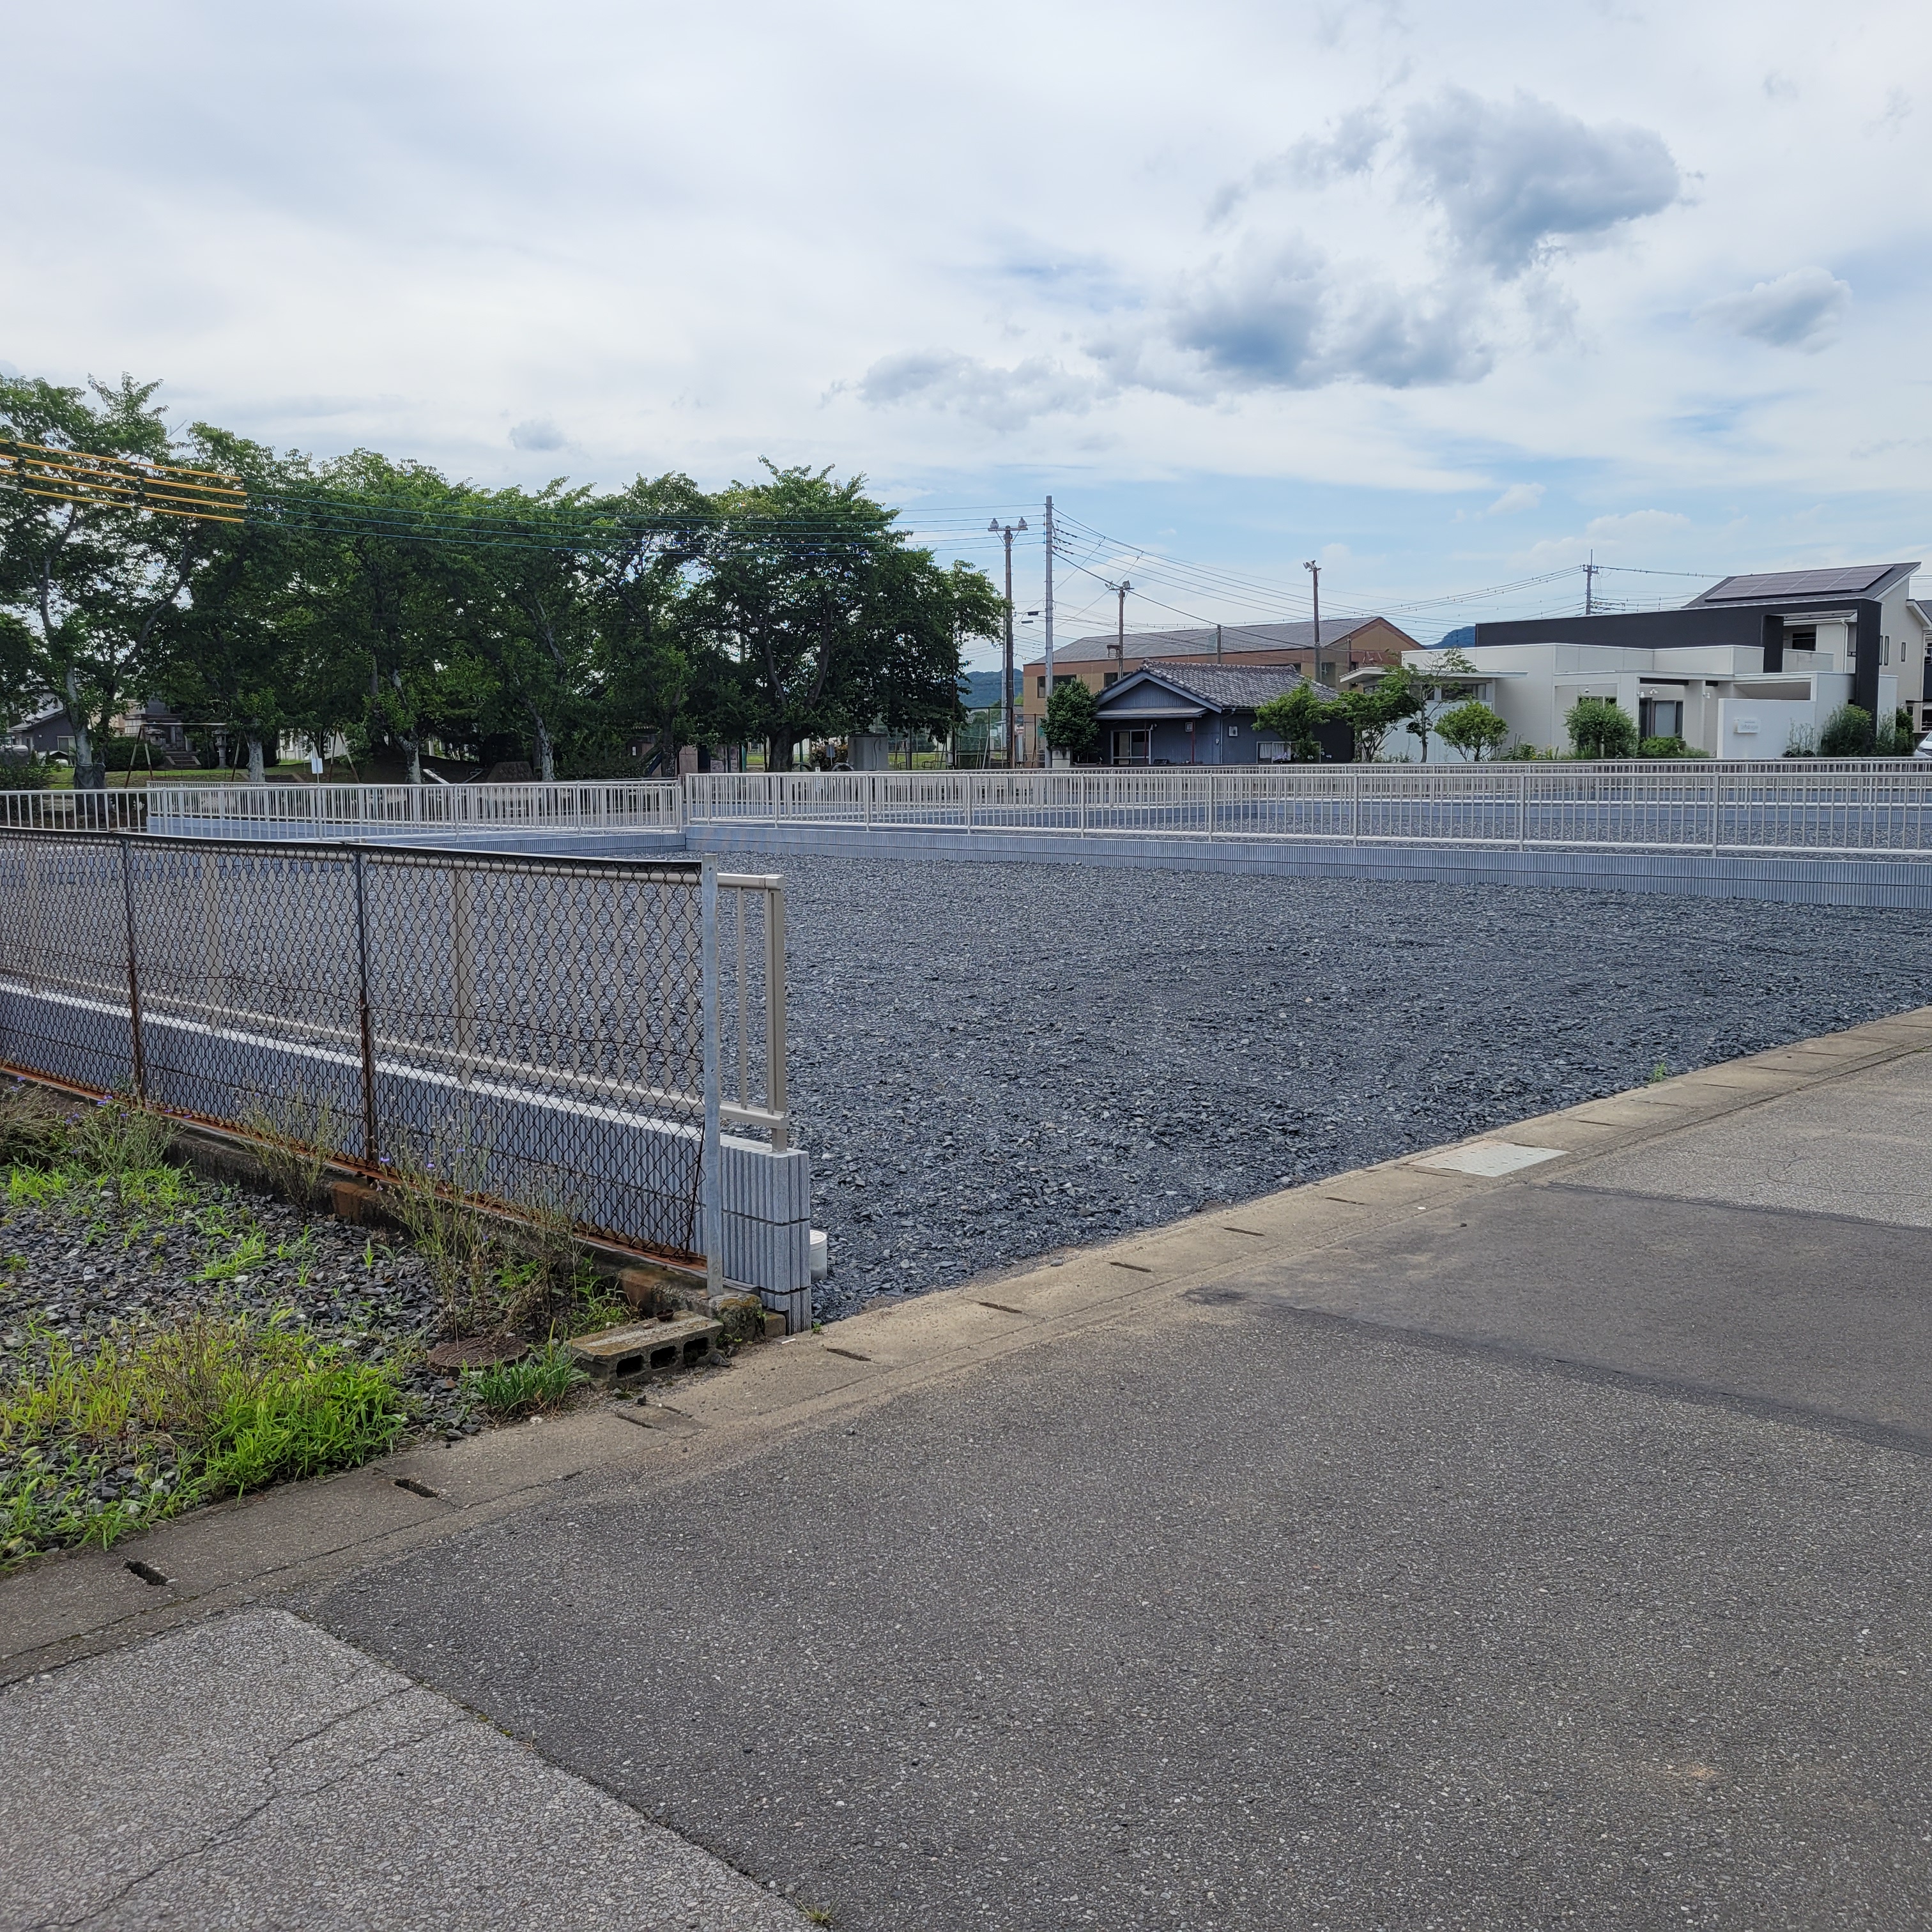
(1745, 727)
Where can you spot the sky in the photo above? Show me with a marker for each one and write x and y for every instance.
(1446, 298)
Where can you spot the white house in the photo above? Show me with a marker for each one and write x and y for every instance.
(1752, 667)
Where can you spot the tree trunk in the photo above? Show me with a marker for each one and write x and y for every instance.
(546, 752)
(83, 746)
(256, 775)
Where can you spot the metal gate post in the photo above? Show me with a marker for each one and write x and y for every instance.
(137, 1046)
(710, 1201)
(371, 1146)
(775, 1017)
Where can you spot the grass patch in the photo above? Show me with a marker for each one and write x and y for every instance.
(543, 1379)
(150, 1420)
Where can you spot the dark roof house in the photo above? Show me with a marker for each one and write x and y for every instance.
(1201, 714)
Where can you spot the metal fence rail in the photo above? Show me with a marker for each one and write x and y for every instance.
(342, 811)
(547, 1030)
(1814, 806)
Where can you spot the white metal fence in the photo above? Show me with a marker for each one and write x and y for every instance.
(1807, 805)
(1814, 806)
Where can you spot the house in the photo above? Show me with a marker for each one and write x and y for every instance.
(1102, 662)
(1194, 713)
(44, 731)
(1752, 667)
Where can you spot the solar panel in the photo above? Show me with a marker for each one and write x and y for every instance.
(1845, 582)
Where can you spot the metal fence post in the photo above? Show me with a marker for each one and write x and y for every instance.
(1522, 810)
(775, 1017)
(371, 1147)
(137, 1047)
(1355, 805)
(711, 1205)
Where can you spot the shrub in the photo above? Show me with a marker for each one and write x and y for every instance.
(1472, 728)
(1848, 733)
(1673, 747)
(1600, 727)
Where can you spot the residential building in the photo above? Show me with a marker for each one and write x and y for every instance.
(1195, 713)
(1103, 660)
(1752, 667)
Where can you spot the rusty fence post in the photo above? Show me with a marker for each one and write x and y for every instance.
(137, 1046)
(371, 1147)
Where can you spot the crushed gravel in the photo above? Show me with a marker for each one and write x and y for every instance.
(991, 1062)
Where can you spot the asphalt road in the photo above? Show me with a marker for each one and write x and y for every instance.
(1567, 1564)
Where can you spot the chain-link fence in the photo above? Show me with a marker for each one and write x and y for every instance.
(530, 1030)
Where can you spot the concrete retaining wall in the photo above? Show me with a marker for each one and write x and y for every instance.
(1875, 881)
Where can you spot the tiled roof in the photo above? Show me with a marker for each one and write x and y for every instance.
(1243, 638)
(1224, 687)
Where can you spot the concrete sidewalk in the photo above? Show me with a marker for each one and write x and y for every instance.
(1425, 1547)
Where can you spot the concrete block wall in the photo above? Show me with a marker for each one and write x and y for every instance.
(767, 1202)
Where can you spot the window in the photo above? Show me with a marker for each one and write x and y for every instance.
(1885, 650)
(1041, 683)
(1233, 731)
(1107, 678)
(1801, 640)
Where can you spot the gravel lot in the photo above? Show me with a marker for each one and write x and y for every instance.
(989, 1062)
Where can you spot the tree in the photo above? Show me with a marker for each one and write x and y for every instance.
(1373, 713)
(235, 650)
(1600, 728)
(659, 670)
(1073, 725)
(90, 580)
(1296, 718)
(1472, 728)
(1434, 689)
(833, 624)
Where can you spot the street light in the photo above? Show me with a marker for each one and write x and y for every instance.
(1008, 532)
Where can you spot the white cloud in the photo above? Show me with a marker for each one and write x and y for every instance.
(1801, 310)
(1517, 497)
(1636, 527)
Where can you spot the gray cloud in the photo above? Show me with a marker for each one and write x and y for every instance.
(538, 433)
(1285, 318)
(1801, 310)
(1513, 178)
(1348, 148)
(982, 392)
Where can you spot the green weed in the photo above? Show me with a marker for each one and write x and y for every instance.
(240, 1403)
(543, 1379)
(120, 1137)
(247, 1254)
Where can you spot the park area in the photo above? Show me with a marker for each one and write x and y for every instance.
(992, 1062)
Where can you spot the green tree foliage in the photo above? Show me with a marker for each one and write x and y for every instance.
(1433, 690)
(90, 582)
(1296, 718)
(378, 600)
(1072, 724)
(1472, 729)
(1600, 728)
(1371, 714)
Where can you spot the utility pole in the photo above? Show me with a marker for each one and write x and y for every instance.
(1217, 643)
(1314, 570)
(1120, 590)
(1006, 531)
(1590, 585)
(1045, 750)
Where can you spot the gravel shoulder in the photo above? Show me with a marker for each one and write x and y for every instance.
(992, 1062)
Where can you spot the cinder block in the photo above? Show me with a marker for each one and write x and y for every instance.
(647, 1347)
